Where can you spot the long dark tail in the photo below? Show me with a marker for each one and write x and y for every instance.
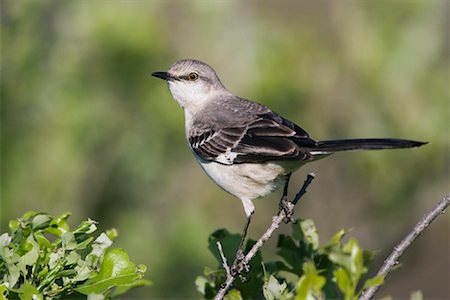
(331, 146)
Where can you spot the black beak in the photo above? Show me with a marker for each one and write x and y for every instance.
(162, 75)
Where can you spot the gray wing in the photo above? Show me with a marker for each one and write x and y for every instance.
(265, 137)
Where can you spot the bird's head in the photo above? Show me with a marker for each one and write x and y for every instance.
(192, 83)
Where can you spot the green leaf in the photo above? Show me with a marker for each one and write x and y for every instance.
(29, 214)
(340, 259)
(42, 240)
(112, 234)
(200, 283)
(310, 232)
(233, 294)
(207, 271)
(310, 284)
(350, 256)
(11, 260)
(58, 225)
(3, 291)
(356, 258)
(84, 244)
(293, 254)
(344, 282)
(95, 297)
(251, 286)
(229, 242)
(72, 258)
(416, 295)
(116, 270)
(5, 240)
(28, 292)
(30, 258)
(121, 289)
(86, 227)
(336, 238)
(272, 289)
(99, 246)
(374, 281)
(40, 221)
(68, 241)
(13, 225)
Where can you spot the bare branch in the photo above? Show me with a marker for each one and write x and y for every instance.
(224, 259)
(276, 221)
(392, 260)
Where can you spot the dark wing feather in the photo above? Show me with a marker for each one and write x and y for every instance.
(266, 137)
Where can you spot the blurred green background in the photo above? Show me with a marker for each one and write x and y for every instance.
(86, 129)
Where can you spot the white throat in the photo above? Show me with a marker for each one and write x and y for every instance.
(194, 97)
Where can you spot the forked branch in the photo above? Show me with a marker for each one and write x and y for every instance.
(276, 221)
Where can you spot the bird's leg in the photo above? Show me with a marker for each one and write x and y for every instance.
(240, 251)
(286, 205)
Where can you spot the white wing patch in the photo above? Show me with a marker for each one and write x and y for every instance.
(318, 152)
(226, 158)
(218, 146)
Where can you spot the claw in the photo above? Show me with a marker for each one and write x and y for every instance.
(288, 208)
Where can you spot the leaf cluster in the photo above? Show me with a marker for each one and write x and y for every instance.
(302, 270)
(41, 258)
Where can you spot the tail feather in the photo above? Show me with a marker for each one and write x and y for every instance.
(331, 146)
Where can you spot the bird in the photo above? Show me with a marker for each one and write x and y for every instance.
(243, 146)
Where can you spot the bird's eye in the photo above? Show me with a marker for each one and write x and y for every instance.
(192, 76)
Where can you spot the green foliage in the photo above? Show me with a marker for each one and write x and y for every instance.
(304, 270)
(42, 259)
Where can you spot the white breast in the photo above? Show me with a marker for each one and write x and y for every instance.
(246, 181)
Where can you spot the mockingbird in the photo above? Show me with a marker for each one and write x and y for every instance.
(243, 146)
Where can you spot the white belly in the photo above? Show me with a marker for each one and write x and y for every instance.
(249, 181)
(246, 181)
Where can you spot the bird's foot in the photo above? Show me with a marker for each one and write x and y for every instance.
(288, 208)
(239, 265)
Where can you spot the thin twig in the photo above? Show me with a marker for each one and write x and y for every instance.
(276, 221)
(302, 191)
(224, 259)
(393, 258)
